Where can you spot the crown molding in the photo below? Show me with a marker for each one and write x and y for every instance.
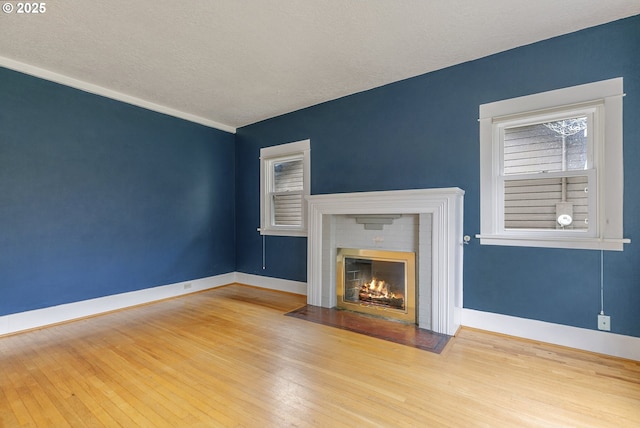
(108, 93)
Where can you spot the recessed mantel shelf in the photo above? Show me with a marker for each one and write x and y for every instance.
(376, 221)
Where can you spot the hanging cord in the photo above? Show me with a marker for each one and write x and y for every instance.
(601, 282)
(264, 257)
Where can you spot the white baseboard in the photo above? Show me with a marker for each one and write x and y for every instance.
(601, 342)
(27, 320)
(21, 321)
(580, 338)
(289, 286)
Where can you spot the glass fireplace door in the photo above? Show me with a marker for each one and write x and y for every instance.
(377, 282)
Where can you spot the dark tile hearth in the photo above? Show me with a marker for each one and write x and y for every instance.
(392, 331)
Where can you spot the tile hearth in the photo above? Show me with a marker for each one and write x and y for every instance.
(409, 335)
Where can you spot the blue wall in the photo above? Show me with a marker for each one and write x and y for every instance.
(99, 197)
(423, 132)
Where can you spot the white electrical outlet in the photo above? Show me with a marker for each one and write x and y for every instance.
(604, 322)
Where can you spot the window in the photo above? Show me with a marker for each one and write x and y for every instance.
(551, 169)
(284, 183)
(547, 171)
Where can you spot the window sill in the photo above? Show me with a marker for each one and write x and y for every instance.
(546, 242)
(283, 232)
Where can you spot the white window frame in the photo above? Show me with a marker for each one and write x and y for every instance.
(268, 157)
(602, 103)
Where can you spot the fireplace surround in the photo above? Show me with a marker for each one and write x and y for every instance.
(438, 214)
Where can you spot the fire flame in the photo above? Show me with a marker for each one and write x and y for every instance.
(379, 290)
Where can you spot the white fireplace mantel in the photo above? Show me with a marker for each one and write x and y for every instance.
(446, 208)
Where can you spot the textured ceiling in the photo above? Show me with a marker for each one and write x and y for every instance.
(229, 63)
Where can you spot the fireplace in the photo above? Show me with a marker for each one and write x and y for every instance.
(438, 247)
(377, 282)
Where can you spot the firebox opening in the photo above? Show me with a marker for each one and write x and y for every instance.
(377, 282)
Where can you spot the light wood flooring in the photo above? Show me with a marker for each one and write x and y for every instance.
(229, 357)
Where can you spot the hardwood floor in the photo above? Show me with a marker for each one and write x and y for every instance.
(229, 357)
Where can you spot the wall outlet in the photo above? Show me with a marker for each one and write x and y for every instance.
(186, 286)
(604, 322)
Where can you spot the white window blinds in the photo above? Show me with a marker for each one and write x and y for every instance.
(286, 197)
(284, 182)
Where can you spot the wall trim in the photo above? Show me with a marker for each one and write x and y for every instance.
(600, 342)
(279, 284)
(109, 93)
(27, 320)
